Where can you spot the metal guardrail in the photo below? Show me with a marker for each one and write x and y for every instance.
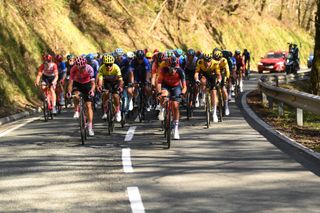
(300, 100)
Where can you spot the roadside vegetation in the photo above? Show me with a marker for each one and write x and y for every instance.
(308, 134)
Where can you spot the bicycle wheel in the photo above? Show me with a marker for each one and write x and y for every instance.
(82, 126)
(168, 124)
(110, 115)
(141, 107)
(208, 110)
(45, 110)
(220, 104)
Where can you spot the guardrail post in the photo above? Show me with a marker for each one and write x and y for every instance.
(270, 101)
(280, 109)
(299, 117)
(264, 99)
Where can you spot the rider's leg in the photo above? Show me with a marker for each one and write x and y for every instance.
(53, 98)
(214, 104)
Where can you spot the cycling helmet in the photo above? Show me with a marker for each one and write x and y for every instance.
(70, 56)
(80, 61)
(191, 52)
(149, 55)
(237, 52)
(207, 56)
(108, 59)
(160, 56)
(59, 58)
(119, 52)
(140, 54)
(172, 61)
(178, 52)
(130, 54)
(217, 54)
(47, 58)
(90, 57)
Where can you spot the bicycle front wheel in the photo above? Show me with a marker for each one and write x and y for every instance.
(45, 110)
(208, 110)
(82, 126)
(168, 125)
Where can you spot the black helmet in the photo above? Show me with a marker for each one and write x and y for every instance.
(140, 54)
(191, 52)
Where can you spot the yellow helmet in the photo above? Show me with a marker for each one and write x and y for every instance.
(207, 56)
(217, 54)
(108, 59)
(148, 55)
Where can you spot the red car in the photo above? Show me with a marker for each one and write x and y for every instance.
(273, 62)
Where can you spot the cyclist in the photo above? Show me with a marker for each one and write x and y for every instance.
(123, 62)
(140, 67)
(190, 69)
(82, 81)
(110, 77)
(178, 53)
(240, 67)
(247, 58)
(93, 63)
(225, 75)
(62, 70)
(209, 71)
(48, 70)
(172, 82)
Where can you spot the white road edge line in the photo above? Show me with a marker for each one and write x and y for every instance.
(135, 200)
(126, 161)
(17, 127)
(130, 133)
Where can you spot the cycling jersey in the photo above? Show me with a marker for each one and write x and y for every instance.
(140, 70)
(50, 69)
(82, 77)
(171, 80)
(240, 63)
(95, 65)
(213, 69)
(190, 65)
(62, 68)
(224, 67)
(103, 71)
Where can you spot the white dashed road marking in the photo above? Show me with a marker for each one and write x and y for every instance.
(135, 200)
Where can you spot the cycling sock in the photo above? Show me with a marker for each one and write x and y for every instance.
(89, 125)
(227, 104)
(105, 108)
(215, 109)
(117, 108)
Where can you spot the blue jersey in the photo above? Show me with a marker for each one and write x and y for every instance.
(95, 65)
(62, 67)
(140, 70)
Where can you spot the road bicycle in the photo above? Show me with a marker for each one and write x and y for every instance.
(47, 105)
(208, 105)
(168, 114)
(82, 118)
(220, 105)
(110, 111)
(124, 106)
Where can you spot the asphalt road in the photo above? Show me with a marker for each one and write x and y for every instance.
(228, 168)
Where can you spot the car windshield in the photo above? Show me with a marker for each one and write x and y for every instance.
(274, 55)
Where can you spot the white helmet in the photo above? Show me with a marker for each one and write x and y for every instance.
(119, 52)
(130, 54)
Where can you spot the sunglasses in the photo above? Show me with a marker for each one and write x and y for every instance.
(108, 65)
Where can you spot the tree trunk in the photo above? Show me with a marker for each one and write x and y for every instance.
(281, 10)
(307, 10)
(315, 74)
(263, 4)
(311, 15)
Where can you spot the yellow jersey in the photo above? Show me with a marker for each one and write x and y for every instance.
(224, 67)
(103, 71)
(213, 69)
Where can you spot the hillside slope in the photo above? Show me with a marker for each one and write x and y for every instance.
(30, 27)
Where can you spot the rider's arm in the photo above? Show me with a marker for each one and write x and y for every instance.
(39, 74)
(56, 74)
(198, 68)
(159, 84)
(183, 81)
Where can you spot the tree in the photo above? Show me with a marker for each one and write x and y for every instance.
(315, 74)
